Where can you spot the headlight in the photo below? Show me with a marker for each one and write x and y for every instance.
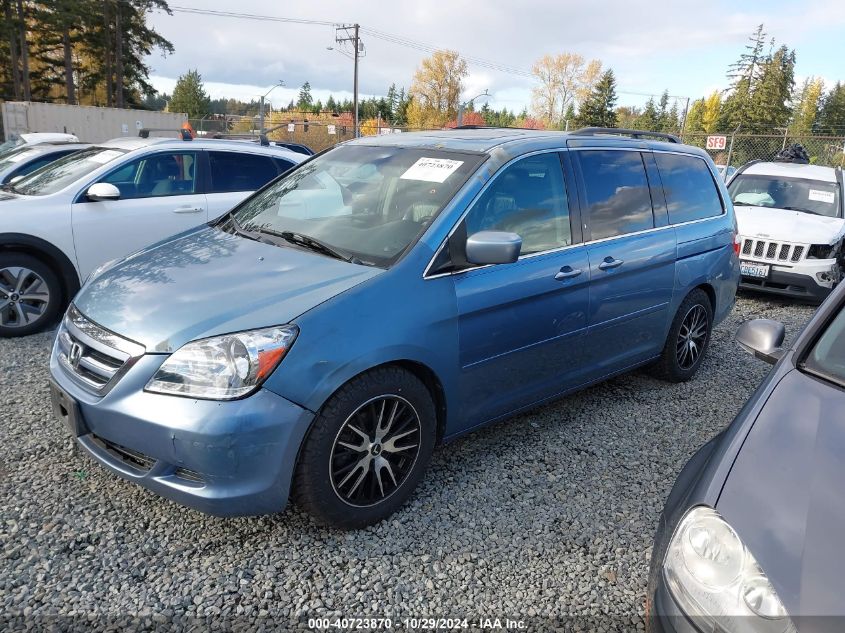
(224, 367)
(716, 581)
(821, 251)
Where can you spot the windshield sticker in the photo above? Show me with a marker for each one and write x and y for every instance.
(821, 196)
(431, 169)
(104, 156)
(19, 157)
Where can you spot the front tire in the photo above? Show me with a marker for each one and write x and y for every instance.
(688, 340)
(367, 449)
(30, 295)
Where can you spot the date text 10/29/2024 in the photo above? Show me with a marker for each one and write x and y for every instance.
(416, 624)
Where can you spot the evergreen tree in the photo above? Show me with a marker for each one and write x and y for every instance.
(189, 96)
(649, 119)
(392, 102)
(331, 104)
(770, 97)
(695, 117)
(569, 116)
(598, 109)
(743, 75)
(832, 114)
(305, 100)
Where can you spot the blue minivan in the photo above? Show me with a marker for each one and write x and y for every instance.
(385, 296)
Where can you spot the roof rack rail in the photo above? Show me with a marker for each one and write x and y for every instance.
(261, 138)
(594, 131)
(185, 133)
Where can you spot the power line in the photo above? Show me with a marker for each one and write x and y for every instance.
(250, 16)
(393, 39)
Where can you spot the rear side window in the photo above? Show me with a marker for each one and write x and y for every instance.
(237, 171)
(690, 191)
(616, 192)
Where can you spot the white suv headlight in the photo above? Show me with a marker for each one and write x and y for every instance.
(715, 579)
(224, 367)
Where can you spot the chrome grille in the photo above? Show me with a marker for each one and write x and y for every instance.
(92, 356)
(772, 251)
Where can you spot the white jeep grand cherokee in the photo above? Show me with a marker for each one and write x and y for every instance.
(791, 223)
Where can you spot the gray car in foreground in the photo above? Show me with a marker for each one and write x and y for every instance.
(751, 538)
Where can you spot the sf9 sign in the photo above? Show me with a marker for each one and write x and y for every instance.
(717, 142)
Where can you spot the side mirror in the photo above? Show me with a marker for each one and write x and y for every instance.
(102, 191)
(493, 247)
(762, 338)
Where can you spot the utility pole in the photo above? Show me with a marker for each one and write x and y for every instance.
(351, 34)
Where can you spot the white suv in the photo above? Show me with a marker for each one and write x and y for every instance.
(62, 221)
(791, 222)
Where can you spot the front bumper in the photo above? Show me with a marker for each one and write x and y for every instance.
(796, 285)
(224, 458)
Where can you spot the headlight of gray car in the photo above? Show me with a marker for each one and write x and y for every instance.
(224, 367)
(716, 581)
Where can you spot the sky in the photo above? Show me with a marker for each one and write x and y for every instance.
(676, 45)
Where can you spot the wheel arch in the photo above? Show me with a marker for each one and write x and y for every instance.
(421, 371)
(49, 254)
(709, 291)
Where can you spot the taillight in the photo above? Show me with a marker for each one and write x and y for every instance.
(737, 242)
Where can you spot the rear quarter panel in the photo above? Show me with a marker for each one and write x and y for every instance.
(706, 257)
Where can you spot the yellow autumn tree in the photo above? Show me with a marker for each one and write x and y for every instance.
(712, 110)
(563, 81)
(436, 89)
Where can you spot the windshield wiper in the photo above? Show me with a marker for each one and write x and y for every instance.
(743, 204)
(311, 243)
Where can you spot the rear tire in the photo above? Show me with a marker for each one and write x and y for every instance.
(688, 339)
(367, 449)
(30, 295)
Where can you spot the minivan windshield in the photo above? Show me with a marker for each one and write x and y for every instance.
(362, 203)
(818, 197)
(59, 174)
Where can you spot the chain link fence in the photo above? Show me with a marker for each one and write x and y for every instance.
(736, 149)
(324, 130)
(318, 132)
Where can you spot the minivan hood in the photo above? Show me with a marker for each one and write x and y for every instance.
(788, 226)
(785, 495)
(210, 282)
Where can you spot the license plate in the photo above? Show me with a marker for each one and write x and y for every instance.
(750, 269)
(66, 410)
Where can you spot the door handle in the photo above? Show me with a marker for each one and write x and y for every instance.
(188, 209)
(609, 263)
(567, 272)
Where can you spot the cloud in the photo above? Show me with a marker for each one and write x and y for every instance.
(651, 46)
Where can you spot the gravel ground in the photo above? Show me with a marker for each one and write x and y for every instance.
(550, 514)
